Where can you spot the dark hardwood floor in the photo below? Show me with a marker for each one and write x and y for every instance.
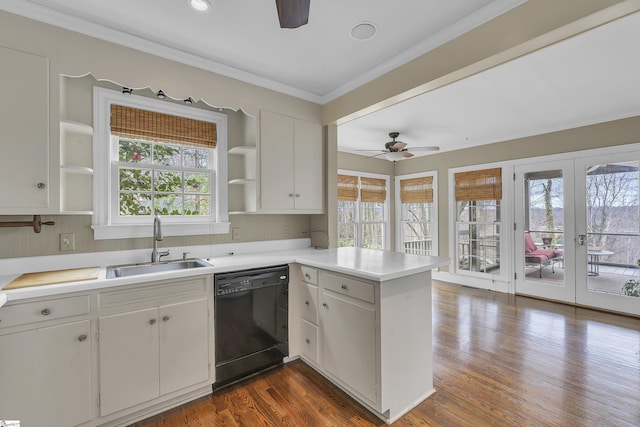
(499, 360)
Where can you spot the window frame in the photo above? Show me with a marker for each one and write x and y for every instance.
(358, 209)
(434, 210)
(505, 218)
(106, 224)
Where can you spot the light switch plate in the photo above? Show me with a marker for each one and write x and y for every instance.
(67, 242)
(235, 233)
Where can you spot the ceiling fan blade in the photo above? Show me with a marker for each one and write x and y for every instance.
(407, 154)
(399, 145)
(293, 13)
(433, 148)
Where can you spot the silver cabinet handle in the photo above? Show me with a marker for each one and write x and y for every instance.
(297, 195)
(307, 276)
(41, 185)
(290, 194)
(344, 287)
(45, 312)
(308, 341)
(325, 305)
(152, 321)
(82, 337)
(165, 318)
(306, 303)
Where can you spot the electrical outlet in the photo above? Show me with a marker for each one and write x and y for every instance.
(67, 242)
(285, 231)
(235, 233)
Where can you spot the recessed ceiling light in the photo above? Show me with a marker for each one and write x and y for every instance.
(363, 31)
(199, 5)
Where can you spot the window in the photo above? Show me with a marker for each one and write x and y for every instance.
(156, 157)
(417, 214)
(363, 210)
(477, 195)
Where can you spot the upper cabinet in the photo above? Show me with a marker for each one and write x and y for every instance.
(291, 165)
(24, 133)
(242, 162)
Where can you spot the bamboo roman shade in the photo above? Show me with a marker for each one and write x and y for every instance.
(347, 187)
(483, 184)
(135, 123)
(373, 190)
(416, 190)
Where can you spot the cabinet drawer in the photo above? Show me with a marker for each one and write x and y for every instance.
(347, 286)
(41, 311)
(309, 302)
(309, 341)
(309, 275)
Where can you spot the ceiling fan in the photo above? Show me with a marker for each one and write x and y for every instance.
(293, 13)
(397, 150)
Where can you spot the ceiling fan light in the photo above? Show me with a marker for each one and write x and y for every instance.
(394, 156)
(399, 145)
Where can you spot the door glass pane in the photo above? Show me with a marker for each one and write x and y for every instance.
(613, 246)
(544, 227)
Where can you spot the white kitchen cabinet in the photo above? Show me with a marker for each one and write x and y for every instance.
(148, 353)
(291, 165)
(184, 345)
(308, 309)
(129, 362)
(24, 136)
(348, 328)
(371, 338)
(46, 375)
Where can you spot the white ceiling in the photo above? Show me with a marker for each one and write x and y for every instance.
(593, 77)
(242, 38)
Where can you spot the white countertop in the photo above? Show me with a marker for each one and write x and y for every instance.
(364, 263)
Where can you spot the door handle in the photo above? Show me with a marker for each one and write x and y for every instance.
(581, 239)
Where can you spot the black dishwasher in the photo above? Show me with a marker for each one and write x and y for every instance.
(251, 322)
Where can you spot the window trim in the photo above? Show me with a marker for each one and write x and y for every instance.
(103, 186)
(398, 207)
(387, 208)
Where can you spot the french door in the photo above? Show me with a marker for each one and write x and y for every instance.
(577, 235)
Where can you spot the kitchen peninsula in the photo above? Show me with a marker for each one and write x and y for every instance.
(361, 318)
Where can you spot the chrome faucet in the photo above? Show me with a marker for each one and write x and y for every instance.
(157, 237)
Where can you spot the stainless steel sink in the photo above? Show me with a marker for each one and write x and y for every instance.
(149, 268)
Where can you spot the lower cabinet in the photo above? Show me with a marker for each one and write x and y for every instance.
(349, 342)
(338, 330)
(46, 375)
(372, 339)
(151, 352)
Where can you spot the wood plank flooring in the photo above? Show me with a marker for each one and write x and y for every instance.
(500, 360)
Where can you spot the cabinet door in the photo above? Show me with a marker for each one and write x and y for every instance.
(184, 345)
(308, 165)
(24, 136)
(46, 376)
(129, 361)
(349, 343)
(276, 162)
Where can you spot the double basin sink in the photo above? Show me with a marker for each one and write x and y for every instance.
(115, 271)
